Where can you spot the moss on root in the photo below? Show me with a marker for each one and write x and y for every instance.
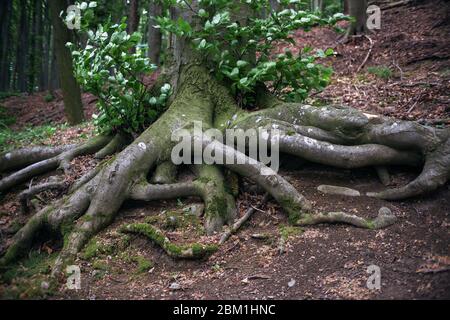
(183, 251)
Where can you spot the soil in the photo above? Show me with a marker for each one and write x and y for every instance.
(267, 259)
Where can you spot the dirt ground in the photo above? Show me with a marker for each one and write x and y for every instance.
(268, 259)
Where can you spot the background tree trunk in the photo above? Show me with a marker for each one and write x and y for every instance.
(317, 5)
(45, 61)
(357, 9)
(71, 90)
(154, 34)
(5, 18)
(22, 48)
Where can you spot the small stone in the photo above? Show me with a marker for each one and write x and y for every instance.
(291, 283)
(44, 285)
(175, 286)
(197, 209)
(338, 190)
(384, 211)
(260, 236)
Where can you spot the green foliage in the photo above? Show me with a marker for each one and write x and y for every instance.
(143, 264)
(26, 278)
(6, 119)
(49, 97)
(10, 139)
(4, 95)
(108, 68)
(232, 47)
(382, 72)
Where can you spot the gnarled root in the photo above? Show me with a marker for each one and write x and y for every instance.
(17, 159)
(115, 145)
(348, 138)
(61, 160)
(384, 219)
(25, 196)
(185, 251)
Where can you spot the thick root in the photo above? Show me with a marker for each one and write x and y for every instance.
(149, 192)
(25, 196)
(185, 251)
(115, 145)
(436, 172)
(62, 160)
(165, 173)
(220, 206)
(348, 157)
(385, 218)
(55, 217)
(348, 138)
(20, 158)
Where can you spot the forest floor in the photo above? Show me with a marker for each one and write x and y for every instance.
(407, 75)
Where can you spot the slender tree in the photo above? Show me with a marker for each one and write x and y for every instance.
(154, 34)
(357, 9)
(71, 90)
(22, 47)
(5, 32)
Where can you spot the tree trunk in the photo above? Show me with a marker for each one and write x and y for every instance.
(5, 32)
(46, 40)
(154, 34)
(334, 136)
(317, 5)
(345, 6)
(71, 90)
(22, 48)
(357, 9)
(39, 44)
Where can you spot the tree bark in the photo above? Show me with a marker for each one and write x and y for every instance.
(46, 58)
(71, 90)
(357, 9)
(154, 34)
(22, 48)
(5, 18)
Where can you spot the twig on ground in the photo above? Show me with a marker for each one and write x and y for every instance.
(368, 54)
(242, 220)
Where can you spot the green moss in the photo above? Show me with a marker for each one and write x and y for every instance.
(288, 231)
(292, 208)
(143, 264)
(195, 250)
(91, 250)
(25, 279)
(15, 226)
(370, 224)
(101, 265)
(382, 72)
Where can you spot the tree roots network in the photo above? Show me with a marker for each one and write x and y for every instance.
(142, 170)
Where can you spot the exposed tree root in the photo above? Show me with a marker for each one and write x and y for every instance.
(165, 172)
(25, 196)
(383, 175)
(385, 218)
(341, 137)
(115, 145)
(185, 251)
(61, 160)
(20, 158)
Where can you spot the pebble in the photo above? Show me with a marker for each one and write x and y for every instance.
(338, 190)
